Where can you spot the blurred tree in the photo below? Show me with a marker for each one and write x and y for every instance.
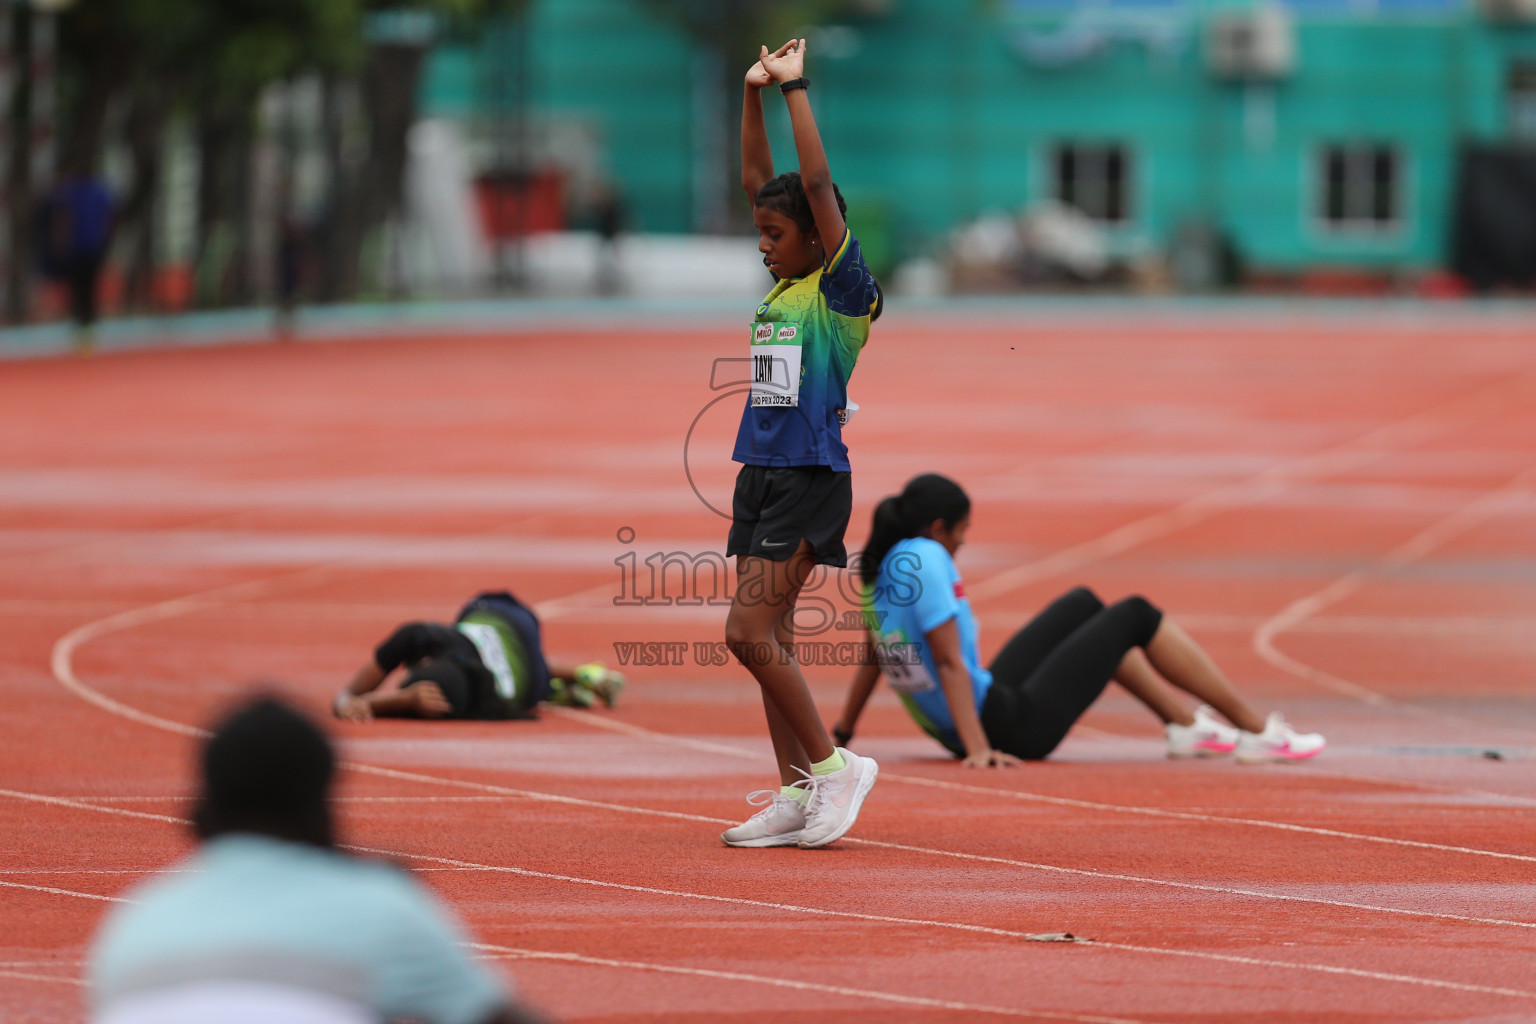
(209, 61)
(158, 59)
(369, 192)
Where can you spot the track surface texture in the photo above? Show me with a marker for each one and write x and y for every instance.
(1339, 507)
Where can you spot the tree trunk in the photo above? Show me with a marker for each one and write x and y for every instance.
(18, 188)
(145, 131)
(224, 144)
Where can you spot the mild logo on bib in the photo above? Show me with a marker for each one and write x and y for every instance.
(775, 365)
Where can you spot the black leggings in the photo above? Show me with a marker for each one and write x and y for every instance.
(1056, 666)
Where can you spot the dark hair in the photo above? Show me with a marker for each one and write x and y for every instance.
(267, 769)
(786, 194)
(900, 516)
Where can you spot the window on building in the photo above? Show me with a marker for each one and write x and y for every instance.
(1096, 179)
(1362, 187)
(1520, 101)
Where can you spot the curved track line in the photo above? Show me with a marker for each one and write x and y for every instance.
(803, 986)
(1461, 412)
(841, 914)
(1416, 547)
(63, 670)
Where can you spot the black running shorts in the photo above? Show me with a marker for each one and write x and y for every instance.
(775, 508)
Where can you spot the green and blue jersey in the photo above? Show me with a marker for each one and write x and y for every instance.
(804, 343)
(917, 591)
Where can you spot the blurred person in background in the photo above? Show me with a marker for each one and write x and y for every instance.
(488, 665)
(74, 233)
(268, 921)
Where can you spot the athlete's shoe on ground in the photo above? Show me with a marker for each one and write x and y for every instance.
(836, 799)
(779, 823)
(1207, 737)
(1278, 742)
(604, 684)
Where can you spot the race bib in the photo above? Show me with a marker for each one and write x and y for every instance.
(494, 653)
(903, 666)
(775, 365)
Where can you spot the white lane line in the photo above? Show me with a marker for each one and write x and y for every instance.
(853, 915)
(23, 976)
(1457, 413)
(69, 679)
(63, 892)
(1158, 812)
(91, 871)
(185, 798)
(875, 918)
(616, 725)
(1424, 542)
(1353, 972)
(510, 952)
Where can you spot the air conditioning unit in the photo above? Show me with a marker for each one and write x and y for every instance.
(1255, 43)
(1508, 10)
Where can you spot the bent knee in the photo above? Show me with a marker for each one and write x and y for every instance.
(1085, 598)
(1145, 616)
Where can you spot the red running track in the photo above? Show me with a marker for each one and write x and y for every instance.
(1339, 509)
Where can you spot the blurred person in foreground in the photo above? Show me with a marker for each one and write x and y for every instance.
(268, 921)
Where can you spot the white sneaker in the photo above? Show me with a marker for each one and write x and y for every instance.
(836, 799)
(1208, 737)
(1278, 742)
(778, 824)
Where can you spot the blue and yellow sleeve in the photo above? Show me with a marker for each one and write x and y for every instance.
(846, 282)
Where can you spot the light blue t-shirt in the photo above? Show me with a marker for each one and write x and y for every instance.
(254, 908)
(918, 590)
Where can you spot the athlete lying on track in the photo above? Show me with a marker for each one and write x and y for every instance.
(925, 642)
(489, 665)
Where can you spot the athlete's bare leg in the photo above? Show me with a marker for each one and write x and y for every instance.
(757, 631)
(1138, 677)
(1185, 664)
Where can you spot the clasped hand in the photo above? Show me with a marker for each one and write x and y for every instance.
(785, 64)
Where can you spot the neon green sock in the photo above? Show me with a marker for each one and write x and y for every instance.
(835, 763)
(796, 793)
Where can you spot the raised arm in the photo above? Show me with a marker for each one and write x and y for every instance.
(864, 680)
(955, 681)
(785, 65)
(756, 156)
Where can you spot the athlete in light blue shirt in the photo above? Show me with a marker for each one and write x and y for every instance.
(923, 637)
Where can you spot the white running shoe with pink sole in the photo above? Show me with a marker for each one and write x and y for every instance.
(1207, 737)
(836, 799)
(1278, 742)
(779, 823)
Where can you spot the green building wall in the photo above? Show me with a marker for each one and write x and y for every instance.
(932, 116)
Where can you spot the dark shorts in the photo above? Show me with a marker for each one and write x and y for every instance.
(775, 508)
(526, 625)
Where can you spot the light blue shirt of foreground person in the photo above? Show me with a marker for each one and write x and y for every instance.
(253, 914)
(917, 590)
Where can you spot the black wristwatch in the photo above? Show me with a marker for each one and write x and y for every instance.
(794, 83)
